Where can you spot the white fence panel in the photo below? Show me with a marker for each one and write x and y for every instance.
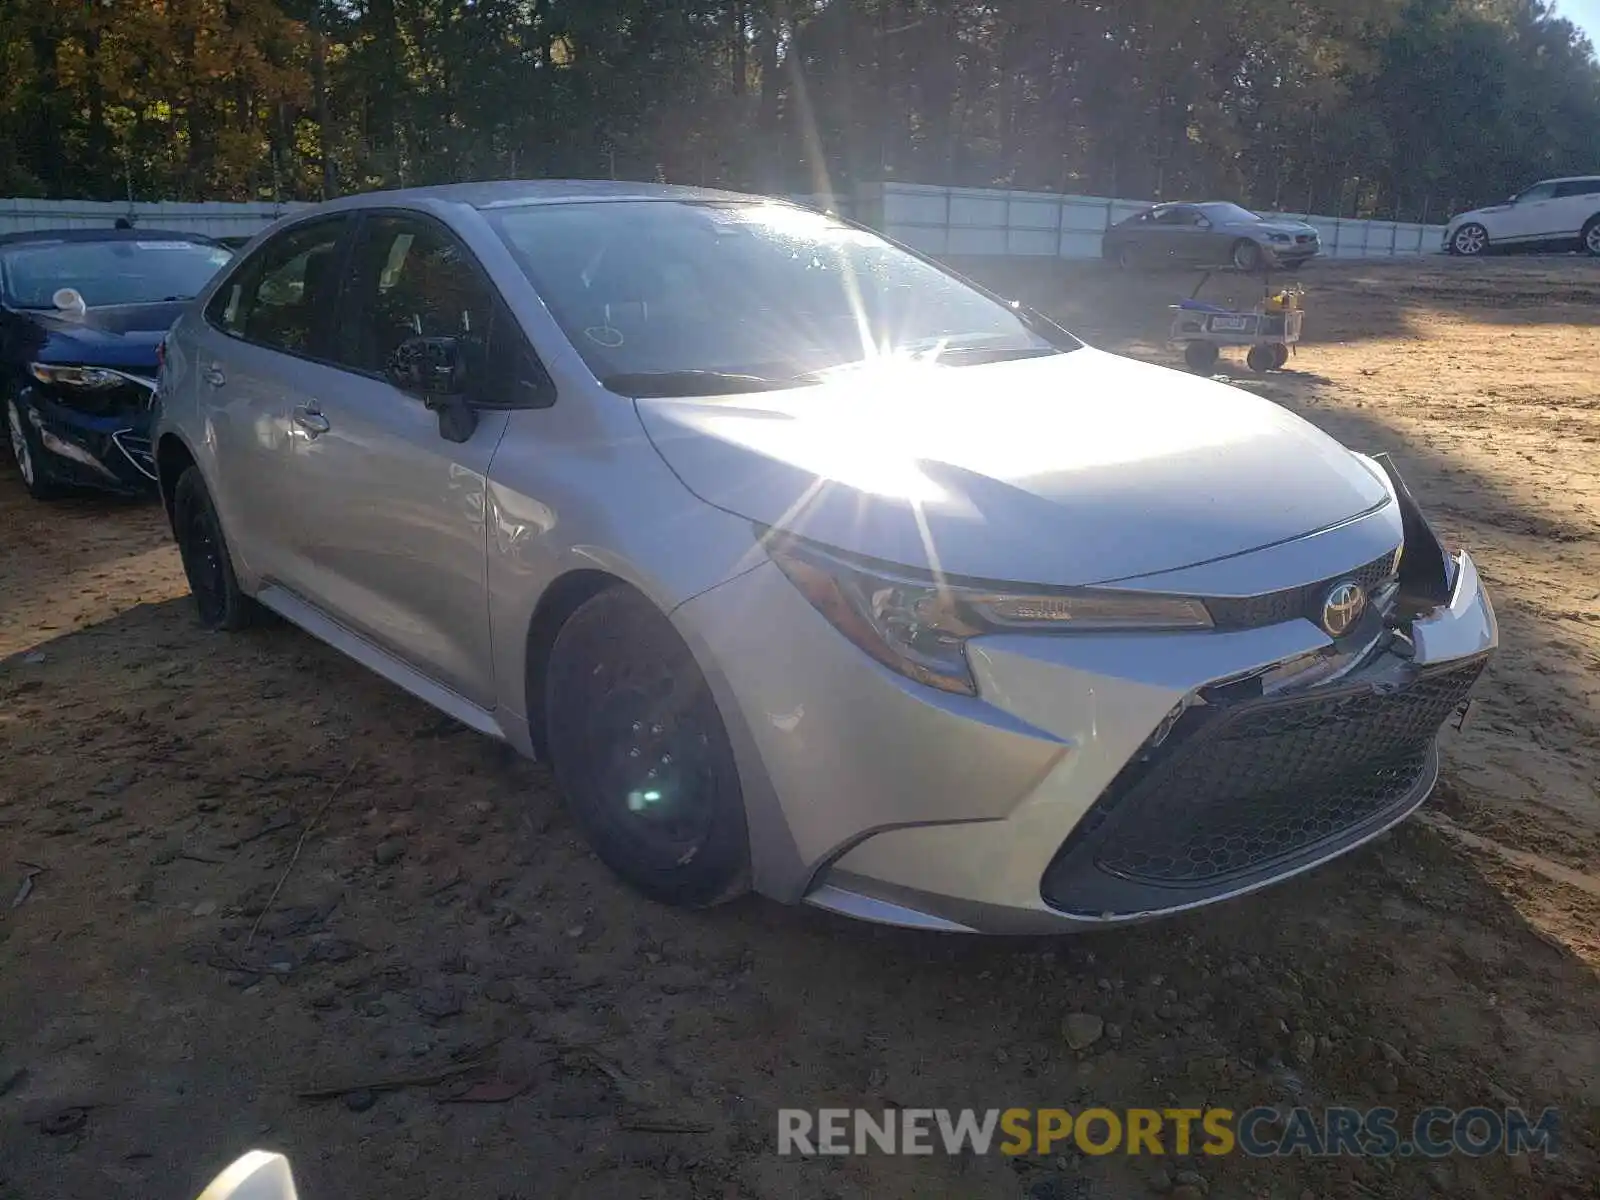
(997, 223)
(216, 218)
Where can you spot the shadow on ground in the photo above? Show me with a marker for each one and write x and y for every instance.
(439, 921)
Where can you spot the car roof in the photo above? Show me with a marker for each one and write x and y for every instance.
(104, 235)
(1567, 179)
(509, 193)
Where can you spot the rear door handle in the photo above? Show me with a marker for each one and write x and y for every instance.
(215, 377)
(310, 420)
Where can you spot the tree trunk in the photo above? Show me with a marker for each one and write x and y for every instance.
(319, 85)
(46, 160)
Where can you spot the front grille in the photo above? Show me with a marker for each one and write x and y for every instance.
(1306, 237)
(1237, 791)
(1273, 608)
(128, 396)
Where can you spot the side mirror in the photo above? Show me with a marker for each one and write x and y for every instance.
(434, 369)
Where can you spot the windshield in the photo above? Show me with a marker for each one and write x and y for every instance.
(1220, 213)
(122, 271)
(766, 292)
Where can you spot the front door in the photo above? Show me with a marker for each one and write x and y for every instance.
(1181, 233)
(1532, 216)
(391, 523)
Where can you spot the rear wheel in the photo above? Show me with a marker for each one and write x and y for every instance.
(1591, 236)
(1247, 256)
(1280, 355)
(1470, 240)
(218, 601)
(1200, 356)
(641, 754)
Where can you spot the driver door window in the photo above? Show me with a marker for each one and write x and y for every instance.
(415, 281)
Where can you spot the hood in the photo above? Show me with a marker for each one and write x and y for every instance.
(120, 335)
(1480, 212)
(1074, 469)
(1293, 228)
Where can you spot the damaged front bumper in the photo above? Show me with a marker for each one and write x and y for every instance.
(1099, 779)
(108, 448)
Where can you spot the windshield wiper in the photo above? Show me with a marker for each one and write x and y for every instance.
(694, 383)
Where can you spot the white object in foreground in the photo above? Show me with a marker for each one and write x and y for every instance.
(259, 1175)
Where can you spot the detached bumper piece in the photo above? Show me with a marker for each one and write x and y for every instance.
(1242, 792)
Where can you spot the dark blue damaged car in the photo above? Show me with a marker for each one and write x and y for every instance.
(82, 315)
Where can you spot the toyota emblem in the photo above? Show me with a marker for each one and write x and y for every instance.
(1342, 608)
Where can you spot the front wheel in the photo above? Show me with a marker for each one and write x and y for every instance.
(1261, 359)
(219, 603)
(1470, 240)
(642, 757)
(24, 451)
(1591, 236)
(1247, 256)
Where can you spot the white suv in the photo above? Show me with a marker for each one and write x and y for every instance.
(1559, 214)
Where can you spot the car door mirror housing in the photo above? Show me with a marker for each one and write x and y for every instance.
(434, 369)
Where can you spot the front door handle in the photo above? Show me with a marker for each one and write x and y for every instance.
(215, 377)
(309, 418)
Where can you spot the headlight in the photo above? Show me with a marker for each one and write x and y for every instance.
(920, 626)
(87, 378)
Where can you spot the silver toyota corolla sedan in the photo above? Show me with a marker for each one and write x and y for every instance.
(808, 566)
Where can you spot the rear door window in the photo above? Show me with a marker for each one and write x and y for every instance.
(283, 296)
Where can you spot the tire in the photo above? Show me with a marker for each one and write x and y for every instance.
(219, 603)
(1471, 240)
(1247, 256)
(1200, 356)
(1280, 355)
(1261, 359)
(25, 450)
(641, 755)
(1591, 236)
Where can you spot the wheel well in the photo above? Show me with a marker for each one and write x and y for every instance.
(560, 600)
(172, 460)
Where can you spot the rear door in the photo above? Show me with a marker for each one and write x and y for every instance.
(392, 536)
(260, 350)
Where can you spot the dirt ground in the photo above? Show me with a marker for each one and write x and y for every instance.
(442, 922)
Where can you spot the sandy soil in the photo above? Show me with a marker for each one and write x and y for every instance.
(443, 917)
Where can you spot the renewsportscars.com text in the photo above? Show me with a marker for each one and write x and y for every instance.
(1257, 1132)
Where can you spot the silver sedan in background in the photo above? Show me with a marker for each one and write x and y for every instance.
(1210, 235)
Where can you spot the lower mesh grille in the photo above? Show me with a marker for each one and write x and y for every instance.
(1236, 789)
